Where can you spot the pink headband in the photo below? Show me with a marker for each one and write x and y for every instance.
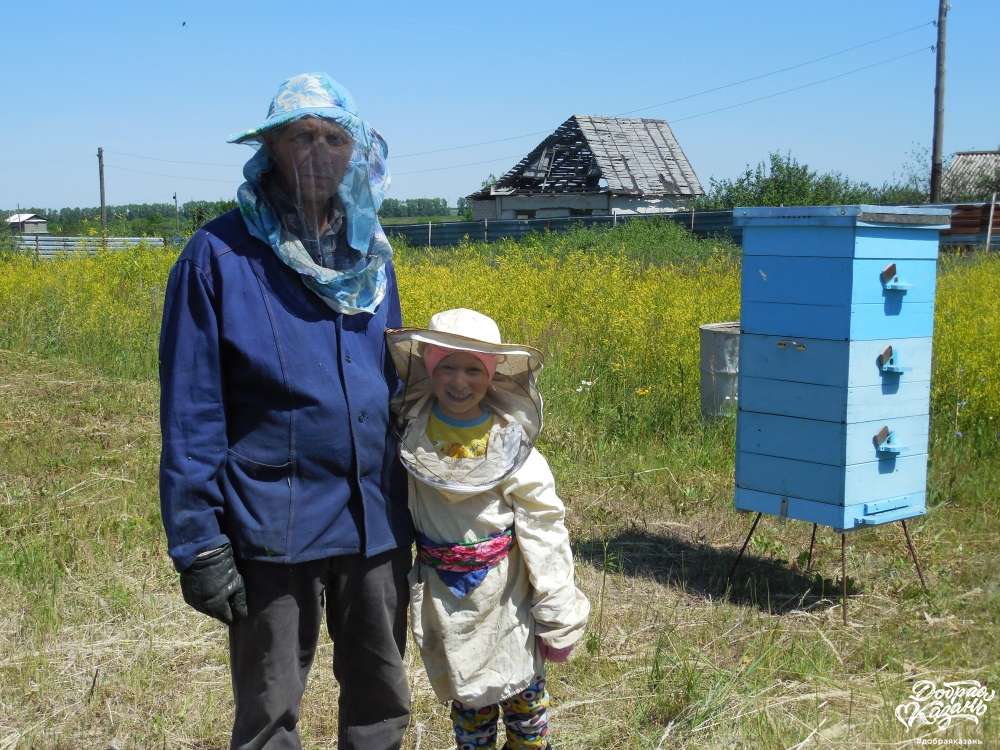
(434, 354)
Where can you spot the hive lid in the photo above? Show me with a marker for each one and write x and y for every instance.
(919, 217)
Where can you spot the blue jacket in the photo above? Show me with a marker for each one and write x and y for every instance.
(274, 411)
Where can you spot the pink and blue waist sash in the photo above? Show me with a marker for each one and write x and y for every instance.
(463, 566)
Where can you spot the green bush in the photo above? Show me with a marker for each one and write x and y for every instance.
(783, 181)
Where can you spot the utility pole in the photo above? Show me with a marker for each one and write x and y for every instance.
(104, 208)
(936, 158)
(177, 218)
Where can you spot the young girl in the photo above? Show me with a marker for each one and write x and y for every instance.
(492, 591)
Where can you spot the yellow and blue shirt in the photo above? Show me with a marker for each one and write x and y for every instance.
(459, 438)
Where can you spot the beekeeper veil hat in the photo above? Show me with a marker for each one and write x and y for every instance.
(513, 398)
(314, 145)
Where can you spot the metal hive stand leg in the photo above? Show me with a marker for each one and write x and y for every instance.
(743, 548)
(843, 576)
(812, 543)
(843, 560)
(913, 554)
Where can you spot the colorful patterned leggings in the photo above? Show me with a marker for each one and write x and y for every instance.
(525, 715)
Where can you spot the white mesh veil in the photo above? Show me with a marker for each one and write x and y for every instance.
(513, 399)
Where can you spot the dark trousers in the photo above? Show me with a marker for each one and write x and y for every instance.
(271, 650)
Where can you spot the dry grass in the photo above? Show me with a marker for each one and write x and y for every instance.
(97, 648)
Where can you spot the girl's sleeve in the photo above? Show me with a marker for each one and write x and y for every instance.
(559, 608)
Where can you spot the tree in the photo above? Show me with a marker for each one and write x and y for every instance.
(422, 207)
(133, 219)
(783, 181)
(988, 183)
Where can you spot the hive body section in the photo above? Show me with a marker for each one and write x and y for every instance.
(835, 361)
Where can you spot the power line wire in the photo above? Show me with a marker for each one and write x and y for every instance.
(170, 176)
(805, 85)
(688, 96)
(673, 120)
(721, 109)
(645, 108)
(172, 161)
(457, 166)
(779, 70)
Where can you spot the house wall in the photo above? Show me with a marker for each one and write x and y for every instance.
(544, 206)
(30, 227)
(554, 206)
(622, 204)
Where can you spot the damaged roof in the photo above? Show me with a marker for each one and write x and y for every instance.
(587, 154)
(969, 170)
(24, 219)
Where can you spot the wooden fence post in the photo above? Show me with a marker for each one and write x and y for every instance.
(989, 222)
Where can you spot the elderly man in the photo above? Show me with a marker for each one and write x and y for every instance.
(281, 493)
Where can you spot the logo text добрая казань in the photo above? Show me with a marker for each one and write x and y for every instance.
(929, 704)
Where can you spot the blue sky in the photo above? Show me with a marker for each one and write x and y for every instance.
(170, 81)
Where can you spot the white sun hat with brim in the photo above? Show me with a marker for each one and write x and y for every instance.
(513, 397)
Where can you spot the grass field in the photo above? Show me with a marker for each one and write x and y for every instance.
(97, 647)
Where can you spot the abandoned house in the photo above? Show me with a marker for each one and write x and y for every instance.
(593, 166)
(27, 224)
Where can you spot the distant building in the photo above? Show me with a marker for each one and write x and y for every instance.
(27, 224)
(594, 166)
(972, 175)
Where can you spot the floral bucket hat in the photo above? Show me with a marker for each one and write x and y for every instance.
(513, 398)
(306, 94)
(361, 191)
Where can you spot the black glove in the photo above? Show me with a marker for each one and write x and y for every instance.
(214, 586)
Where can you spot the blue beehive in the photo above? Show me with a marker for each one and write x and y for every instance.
(835, 362)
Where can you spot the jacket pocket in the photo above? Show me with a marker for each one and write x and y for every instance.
(258, 504)
(259, 468)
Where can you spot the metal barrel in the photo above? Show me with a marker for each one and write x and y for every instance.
(720, 366)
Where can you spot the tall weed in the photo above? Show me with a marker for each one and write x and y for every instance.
(616, 313)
